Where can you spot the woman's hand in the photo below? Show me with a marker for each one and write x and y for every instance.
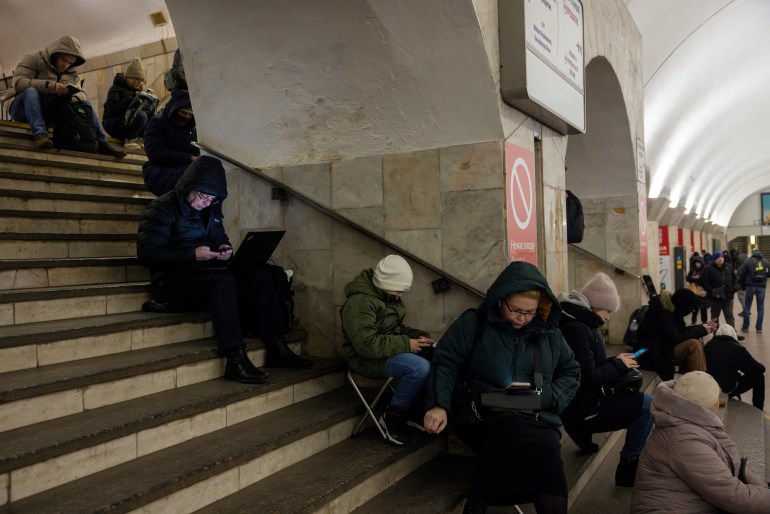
(628, 359)
(435, 420)
(418, 345)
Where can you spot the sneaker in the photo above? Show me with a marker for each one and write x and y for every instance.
(43, 141)
(745, 330)
(107, 148)
(394, 425)
(759, 331)
(741, 338)
(131, 144)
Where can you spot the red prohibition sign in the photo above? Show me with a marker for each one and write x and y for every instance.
(521, 189)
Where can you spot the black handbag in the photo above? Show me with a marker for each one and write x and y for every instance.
(719, 293)
(627, 383)
(526, 399)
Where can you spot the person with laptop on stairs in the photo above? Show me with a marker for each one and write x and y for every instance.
(182, 241)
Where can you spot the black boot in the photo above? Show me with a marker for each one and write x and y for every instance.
(241, 369)
(280, 356)
(625, 473)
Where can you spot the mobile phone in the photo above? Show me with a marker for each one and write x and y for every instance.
(430, 343)
(639, 352)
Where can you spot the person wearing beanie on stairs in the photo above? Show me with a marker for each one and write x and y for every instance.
(666, 337)
(128, 106)
(168, 143)
(377, 344)
(593, 410)
(182, 241)
(44, 79)
(690, 463)
(734, 368)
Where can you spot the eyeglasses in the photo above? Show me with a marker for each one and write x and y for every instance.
(519, 312)
(210, 199)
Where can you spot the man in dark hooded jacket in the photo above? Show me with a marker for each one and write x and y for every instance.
(667, 338)
(168, 139)
(183, 242)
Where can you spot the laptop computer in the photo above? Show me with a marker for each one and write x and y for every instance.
(255, 249)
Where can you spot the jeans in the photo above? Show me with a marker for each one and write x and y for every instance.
(638, 430)
(412, 371)
(27, 106)
(759, 292)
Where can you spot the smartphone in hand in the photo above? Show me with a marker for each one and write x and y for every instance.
(639, 352)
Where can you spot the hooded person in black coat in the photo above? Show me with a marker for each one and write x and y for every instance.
(734, 368)
(182, 241)
(168, 139)
(592, 411)
(668, 339)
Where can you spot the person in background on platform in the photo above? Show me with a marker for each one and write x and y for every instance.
(377, 344)
(128, 106)
(734, 368)
(718, 279)
(752, 277)
(168, 143)
(40, 79)
(690, 464)
(592, 411)
(518, 452)
(183, 243)
(693, 276)
(667, 338)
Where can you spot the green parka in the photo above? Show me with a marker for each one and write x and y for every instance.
(502, 354)
(37, 70)
(373, 327)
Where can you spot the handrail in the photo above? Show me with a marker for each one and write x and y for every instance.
(618, 269)
(342, 219)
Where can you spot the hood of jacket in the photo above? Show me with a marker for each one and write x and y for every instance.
(205, 175)
(180, 99)
(518, 277)
(363, 284)
(670, 410)
(65, 45)
(575, 306)
(665, 301)
(757, 254)
(698, 258)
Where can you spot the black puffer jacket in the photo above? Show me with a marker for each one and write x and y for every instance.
(746, 272)
(170, 229)
(119, 97)
(663, 328)
(714, 276)
(726, 359)
(168, 143)
(580, 327)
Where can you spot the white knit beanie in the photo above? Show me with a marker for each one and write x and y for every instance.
(698, 387)
(135, 70)
(393, 274)
(726, 330)
(602, 293)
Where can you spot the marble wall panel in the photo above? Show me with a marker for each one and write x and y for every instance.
(314, 300)
(306, 228)
(472, 167)
(424, 243)
(312, 180)
(371, 218)
(357, 183)
(411, 189)
(473, 236)
(353, 252)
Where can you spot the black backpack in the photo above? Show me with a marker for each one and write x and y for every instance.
(575, 223)
(631, 337)
(73, 126)
(760, 272)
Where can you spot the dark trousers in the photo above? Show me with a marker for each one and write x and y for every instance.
(119, 128)
(757, 385)
(726, 306)
(225, 294)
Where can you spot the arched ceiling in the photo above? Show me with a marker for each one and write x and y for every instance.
(707, 111)
(706, 106)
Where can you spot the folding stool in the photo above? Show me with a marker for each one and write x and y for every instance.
(369, 406)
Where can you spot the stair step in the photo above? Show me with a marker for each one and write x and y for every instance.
(54, 342)
(41, 394)
(30, 222)
(335, 480)
(40, 456)
(15, 180)
(20, 134)
(436, 487)
(19, 200)
(28, 274)
(50, 303)
(191, 474)
(54, 246)
(23, 153)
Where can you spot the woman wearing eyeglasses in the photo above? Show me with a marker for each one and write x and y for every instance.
(168, 139)
(518, 452)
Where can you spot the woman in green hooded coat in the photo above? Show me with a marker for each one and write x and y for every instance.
(519, 453)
